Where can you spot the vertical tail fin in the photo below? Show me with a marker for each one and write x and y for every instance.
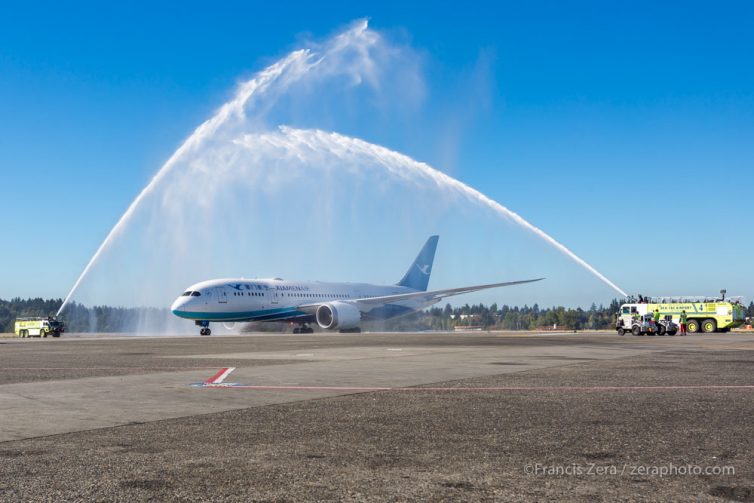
(417, 276)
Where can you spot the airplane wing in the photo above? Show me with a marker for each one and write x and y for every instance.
(438, 294)
(433, 295)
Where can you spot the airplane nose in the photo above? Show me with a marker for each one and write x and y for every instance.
(178, 305)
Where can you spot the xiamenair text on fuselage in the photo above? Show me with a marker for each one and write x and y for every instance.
(332, 306)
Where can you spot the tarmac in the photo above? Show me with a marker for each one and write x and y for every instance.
(378, 417)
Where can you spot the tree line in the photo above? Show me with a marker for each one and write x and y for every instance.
(506, 317)
(80, 318)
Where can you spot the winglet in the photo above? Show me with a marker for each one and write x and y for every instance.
(417, 276)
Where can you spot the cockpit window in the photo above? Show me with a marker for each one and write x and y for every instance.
(185, 294)
(195, 294)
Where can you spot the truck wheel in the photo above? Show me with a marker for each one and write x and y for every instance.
(636, 330)
(56, 334)
(709, 326)
(692, 326)
(621, 331)
(661, 330)
(672, 332)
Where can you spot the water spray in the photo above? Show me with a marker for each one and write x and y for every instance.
(353, 152)
(204, 131)
(345, 54)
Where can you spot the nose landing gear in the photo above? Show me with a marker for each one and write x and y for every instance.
(303, 329)
(205, 327)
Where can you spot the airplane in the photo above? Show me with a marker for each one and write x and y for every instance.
(332, 306)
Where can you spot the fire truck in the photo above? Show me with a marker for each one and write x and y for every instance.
(39, 327)
(703, 314)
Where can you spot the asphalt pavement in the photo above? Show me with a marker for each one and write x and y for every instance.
(378, 417)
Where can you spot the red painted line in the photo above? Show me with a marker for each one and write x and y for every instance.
(588, 389)
(218, 378)
(224, 375)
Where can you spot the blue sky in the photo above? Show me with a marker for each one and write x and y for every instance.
(624, 129)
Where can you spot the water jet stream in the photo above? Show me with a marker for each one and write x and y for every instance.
(204, 131)
(348, 54)
(353, 151)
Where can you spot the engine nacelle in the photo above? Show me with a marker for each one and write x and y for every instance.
(338, 315)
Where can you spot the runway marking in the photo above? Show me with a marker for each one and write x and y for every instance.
(585, 389)
(220, 376)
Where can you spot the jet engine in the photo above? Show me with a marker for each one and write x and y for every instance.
(338, 315)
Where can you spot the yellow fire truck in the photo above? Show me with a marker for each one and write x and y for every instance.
(39, 327)
(704, 314)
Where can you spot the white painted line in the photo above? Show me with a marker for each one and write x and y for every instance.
(220, 376)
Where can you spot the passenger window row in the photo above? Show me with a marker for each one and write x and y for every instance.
(300, 295)
(320, 295)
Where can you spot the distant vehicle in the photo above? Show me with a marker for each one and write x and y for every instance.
(646, 325)
(667, 326)
(39, 327)
(705, 314)
(639, 325)
(332, 306)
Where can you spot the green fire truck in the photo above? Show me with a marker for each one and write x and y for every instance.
(704, 314)
(39, 327)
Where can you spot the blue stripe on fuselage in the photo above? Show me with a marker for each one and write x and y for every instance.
(261, 315)
(286, 313)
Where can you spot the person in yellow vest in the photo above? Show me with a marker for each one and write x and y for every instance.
(657, 319)
(683, 320)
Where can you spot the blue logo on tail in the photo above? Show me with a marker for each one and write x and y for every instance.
(417, 276)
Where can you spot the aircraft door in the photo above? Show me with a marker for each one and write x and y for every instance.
(222, 295)
(274, 299)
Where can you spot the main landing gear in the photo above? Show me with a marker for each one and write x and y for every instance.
(205, 327)
(303, 329)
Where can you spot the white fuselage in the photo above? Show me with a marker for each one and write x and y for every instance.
(332, 306)
(278, 300)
